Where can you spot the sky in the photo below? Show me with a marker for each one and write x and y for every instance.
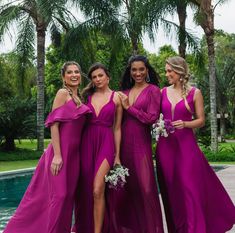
(224, 19)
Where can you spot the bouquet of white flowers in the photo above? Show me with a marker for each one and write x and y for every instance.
(117, 176)
(162, 128)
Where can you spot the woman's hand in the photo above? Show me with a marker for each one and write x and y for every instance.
(56, 164)
(179, 124)
(124, 100)
(117, 160)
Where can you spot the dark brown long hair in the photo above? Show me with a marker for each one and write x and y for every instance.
(90, 88)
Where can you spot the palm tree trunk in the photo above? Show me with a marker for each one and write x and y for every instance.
(182, 15)
(41, 32)
(207, 24)
(212, 85)
(134, 44)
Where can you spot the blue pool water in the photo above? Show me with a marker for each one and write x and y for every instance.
(11, 192)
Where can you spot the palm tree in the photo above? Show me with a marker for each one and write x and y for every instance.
(225, 74)
(124, 19)
(225, 91)
(180, 6)
(30, 16)
(185, 38)
(205, 18)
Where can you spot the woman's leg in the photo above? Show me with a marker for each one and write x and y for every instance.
(99, 197)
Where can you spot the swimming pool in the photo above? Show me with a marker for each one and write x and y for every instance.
(12, 188)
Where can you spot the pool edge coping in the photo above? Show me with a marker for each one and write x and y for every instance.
(22, 171)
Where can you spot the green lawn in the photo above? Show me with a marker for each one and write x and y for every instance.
(30, 144)
(25, 156)
(14, 165)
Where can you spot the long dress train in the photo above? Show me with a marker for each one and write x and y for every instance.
(47, 204)
(194, 199)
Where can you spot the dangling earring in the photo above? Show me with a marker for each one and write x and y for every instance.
(93, 85)
(181, 80)
(147, 79)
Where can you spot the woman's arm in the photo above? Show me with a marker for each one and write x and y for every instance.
(57, 162)
(117, 128)
(153, 107)
(199, 114)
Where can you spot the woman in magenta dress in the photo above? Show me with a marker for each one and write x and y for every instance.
(99, 150)
(48, 201)
(137, 205)
(194, 199)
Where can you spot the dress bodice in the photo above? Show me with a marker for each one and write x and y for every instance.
(179, 111)
(106, 115)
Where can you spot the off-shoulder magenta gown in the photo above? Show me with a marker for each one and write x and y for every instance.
(136, 207)
(195, 201)
(47, 204)
(97, 146)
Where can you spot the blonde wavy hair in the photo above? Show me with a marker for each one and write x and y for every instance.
(179, 66)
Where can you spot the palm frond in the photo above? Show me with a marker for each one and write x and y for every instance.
(8, 15)
(25, 47)
(47, 8)
(78, 44)
(55, 35)
(101, 8)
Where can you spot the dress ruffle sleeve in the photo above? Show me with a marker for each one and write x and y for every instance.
(67, 112)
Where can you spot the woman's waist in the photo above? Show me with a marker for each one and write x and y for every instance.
(133, 122)
(100, 123)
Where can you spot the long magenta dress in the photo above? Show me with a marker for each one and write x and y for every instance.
(136, 207)
(48, 201)
(97, 146)
(194, 199)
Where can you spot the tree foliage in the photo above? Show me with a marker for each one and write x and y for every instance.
(17, 111)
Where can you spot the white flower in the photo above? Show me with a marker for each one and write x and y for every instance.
(162, 128)
(117, 176)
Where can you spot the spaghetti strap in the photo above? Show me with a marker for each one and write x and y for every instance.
(191, 93)
(111, 97)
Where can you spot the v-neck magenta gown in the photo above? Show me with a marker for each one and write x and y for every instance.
(136, 207)
(194, 199)
(48, 202)
(97, 146)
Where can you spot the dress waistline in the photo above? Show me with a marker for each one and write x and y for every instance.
(100, 123)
